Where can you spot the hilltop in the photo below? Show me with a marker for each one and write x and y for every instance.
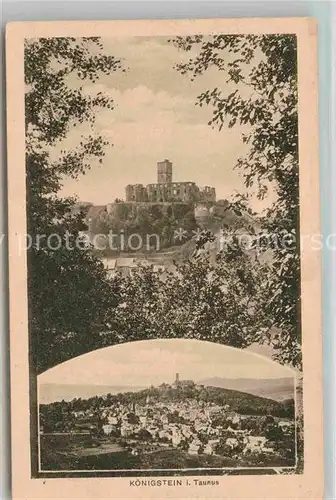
(276, 389)
(150, 219)
(238, 401)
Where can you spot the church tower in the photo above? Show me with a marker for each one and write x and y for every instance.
(177, 379)
(164, 171)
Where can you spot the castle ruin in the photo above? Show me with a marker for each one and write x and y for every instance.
(165, 190)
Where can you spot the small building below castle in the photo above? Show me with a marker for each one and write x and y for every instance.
(165, 190)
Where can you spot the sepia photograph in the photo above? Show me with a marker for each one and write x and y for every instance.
(145, 405)
(157, 206)
(170, 251)
(166, 213)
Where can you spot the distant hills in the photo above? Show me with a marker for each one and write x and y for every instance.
(239, 401)
(279, 389)
(48, 393)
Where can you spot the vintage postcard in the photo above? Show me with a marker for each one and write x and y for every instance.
(165, 243)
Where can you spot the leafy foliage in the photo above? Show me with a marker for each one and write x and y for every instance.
(259, 93)
(69, 296)
(201, 298)
(234, 297)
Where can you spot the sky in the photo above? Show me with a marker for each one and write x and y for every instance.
(147, 362)
(155, 117)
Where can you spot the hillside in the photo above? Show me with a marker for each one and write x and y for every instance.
(49, 393)
(142, 219)
(276, 389)
(163, 220)
(238, 401)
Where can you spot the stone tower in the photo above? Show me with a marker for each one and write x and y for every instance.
(164, 171)
(177, 379)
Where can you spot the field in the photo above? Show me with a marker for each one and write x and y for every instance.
(103, 454)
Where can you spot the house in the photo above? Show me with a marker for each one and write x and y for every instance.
(107, 429)
(112, 420)
(164, 434)
(194, 447)
(126, 262)
(152, 431)
(213, 431)
(158, 268)
(236, 431)
(164, 419)
(284, 424)
(186, 431)
(254, 443)
(79, 414)
(211, 446)
(233, 418)
(176, 438)
(126, 430)
(232, 442)
(124, 265)
(231, 415)
(200, 426)
(209, 449)
(110, 266)
(236, 419)
(268, 450)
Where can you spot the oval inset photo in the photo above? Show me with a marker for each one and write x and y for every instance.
(157, 405)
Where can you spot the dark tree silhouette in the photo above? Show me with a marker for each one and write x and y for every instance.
(70, 299)
(259, 91)
(232, 297)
